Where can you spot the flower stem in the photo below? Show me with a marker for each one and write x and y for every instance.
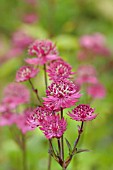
(24, 152)
(79, 135)
(59, 146)
(45, 76)
(35, 91)
(46, 84)
(62, 140)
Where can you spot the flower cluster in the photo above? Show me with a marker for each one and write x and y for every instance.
(44, 50)
(35, 118)
(59, 70)
(61, 94)
(14, 95)
(82, 113)
(92, 45)
(21, 40)
(25, 73)
(53, 126)
(86, 74)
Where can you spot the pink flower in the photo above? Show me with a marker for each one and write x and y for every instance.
(53, 126)
(21, 39)
(21, 121)
(7, 119)
(30, 18)
(44, 50)
(15, 94)
(94, 43)
(86, 74)
(82, 113)
(59, 69)
(97, 91)
(13, 52)
(25, 73)
(61, 94)
(37, 116)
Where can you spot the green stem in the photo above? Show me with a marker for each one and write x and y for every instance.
(62, 140)
(45, 76)
(34, 90)
(50, 143)
(59, 147)
(24, 152)
(79, 135)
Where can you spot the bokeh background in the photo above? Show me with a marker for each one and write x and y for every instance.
(64, 22)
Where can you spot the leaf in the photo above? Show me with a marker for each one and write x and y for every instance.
(69, 146)
(83, 150)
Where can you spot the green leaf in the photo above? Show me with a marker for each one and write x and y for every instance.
(69, 146)
(83, 150)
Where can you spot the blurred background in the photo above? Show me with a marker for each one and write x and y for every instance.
(64, 22)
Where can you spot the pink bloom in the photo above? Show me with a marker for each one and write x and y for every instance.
(59, 69)
(21, 121)
(86, 74)
(30, 18)
(61, 94)
(53, 126)
(25, 73)
(82, 113)
(44, 50)
(95, 43)
(37, 116)
(15, 94)
(7, 119)
(97, 91)
(21, 39)
(13, 52)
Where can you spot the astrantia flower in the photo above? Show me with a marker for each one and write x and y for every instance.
(15, 94)
(21, 121)
(97, 91)
(61, 94)
(82, 113)
(59, 70)
(53, 126)
(86, 74)
(30, 18)
(7, 119)
(37, 116)
(25, 73)
(95, 44)
(21, 39)
(44, 50)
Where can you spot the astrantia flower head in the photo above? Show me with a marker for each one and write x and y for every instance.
(86, 74)
(15, 94)
(61, 94)
(59, 69)
(25, 73)
(44, 50)
(21, 121)
(30, 18)
(37, 116)
(7, 119)
(53, 126)
(95, 44)
(97, 91)
(82, 113)
(21, 39)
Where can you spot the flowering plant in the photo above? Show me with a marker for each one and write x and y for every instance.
(63, 92)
